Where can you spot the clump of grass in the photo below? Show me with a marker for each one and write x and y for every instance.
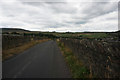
(77, 69)
(6, 54)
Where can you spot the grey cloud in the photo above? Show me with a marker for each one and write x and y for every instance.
(42, 0)
(54, 15)
(99, 8)
(62, 8)
(33, 3)
(58, 7)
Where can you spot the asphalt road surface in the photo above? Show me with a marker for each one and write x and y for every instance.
(43, 60)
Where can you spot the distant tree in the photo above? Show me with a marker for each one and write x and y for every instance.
(14, 33)
(5, 32)
(68, 32)
(54, 32)
(40, 34)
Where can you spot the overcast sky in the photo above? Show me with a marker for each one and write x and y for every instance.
(61, 16)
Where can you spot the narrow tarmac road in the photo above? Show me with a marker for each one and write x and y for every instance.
(41, 61)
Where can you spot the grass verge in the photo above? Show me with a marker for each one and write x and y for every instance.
(76, 67)
(6, 54)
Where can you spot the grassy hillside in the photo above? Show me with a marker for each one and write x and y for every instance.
(13, 30)
(76, 35)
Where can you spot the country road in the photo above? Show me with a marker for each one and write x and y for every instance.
(41, 61)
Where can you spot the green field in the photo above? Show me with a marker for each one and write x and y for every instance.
(76, 35)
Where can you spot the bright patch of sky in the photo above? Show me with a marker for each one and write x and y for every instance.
(60, 15)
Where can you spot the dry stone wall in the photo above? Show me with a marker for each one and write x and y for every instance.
(10, 41)
(101, 58)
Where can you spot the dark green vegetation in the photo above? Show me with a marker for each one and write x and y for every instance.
(8, 30)
(77, 69)
(74, 35)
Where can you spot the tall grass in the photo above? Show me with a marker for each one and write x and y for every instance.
(77, 69)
